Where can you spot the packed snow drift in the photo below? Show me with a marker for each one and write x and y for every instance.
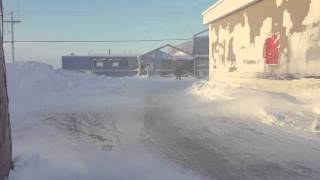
(293, 104)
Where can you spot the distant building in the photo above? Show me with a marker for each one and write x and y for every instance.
(108, 65)
(264, 38)
(198, 47)
(200, 53)
(165, 59)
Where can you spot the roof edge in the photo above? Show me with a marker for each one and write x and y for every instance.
(229, 11)
(212, 7)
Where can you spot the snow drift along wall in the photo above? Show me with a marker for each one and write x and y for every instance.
(264, 37)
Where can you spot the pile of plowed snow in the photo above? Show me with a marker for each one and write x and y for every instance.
(292, 104)
(31, 76)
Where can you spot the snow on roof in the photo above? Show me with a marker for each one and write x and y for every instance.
(223, 8)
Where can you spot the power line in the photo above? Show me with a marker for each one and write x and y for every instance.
(113, 11)
(99, 41)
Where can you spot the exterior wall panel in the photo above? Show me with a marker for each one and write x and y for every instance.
(76, 63)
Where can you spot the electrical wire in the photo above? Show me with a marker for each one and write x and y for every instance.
(100, 41)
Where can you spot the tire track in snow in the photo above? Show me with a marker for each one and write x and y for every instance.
(87, 127)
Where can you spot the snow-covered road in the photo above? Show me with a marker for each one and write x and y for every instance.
(228, 146)
(71, 126)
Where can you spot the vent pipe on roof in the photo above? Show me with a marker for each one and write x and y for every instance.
(109, 51)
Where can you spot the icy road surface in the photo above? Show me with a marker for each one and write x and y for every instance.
(70, 126)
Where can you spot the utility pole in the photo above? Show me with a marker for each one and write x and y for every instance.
(12, 22)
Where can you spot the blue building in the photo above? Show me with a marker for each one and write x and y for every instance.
(109, 65)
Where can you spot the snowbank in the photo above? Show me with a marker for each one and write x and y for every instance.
(43, 78)
(292, 104)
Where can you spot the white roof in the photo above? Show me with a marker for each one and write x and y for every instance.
(223, 8)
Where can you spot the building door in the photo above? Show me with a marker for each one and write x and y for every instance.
(272, 45)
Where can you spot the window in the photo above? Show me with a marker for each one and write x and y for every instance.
(115, 64)
(99, 64)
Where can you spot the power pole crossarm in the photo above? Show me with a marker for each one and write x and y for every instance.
(12, 21)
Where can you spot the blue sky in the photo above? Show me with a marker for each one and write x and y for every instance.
(100, 20)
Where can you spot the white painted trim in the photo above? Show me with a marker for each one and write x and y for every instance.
(212, 7)
(228, 10)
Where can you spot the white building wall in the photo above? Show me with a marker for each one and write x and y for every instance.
(237, 41)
